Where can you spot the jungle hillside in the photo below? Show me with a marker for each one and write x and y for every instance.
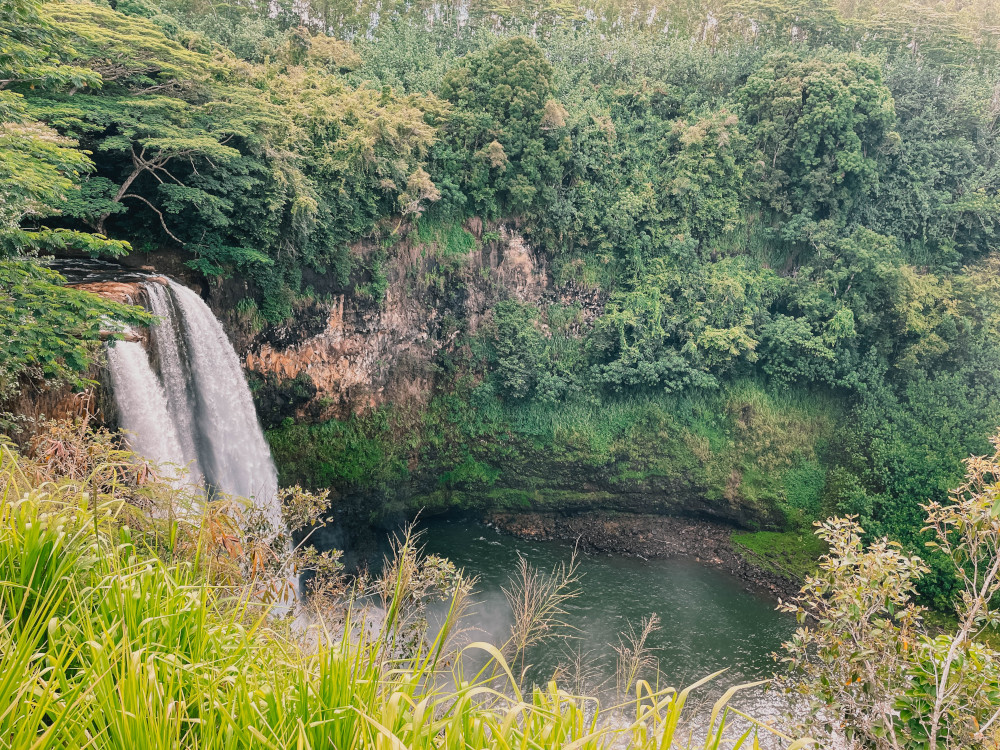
(766, 235)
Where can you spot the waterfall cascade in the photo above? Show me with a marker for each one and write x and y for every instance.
(167, 340)
(194, 409)
(142, 405)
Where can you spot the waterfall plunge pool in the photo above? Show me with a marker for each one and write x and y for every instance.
(709, 621)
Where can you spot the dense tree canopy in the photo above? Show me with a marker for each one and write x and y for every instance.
(798, 192)
(49, 332)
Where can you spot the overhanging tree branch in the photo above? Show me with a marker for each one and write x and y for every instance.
(159, 213)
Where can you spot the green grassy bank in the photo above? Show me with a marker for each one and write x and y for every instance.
(744, 454)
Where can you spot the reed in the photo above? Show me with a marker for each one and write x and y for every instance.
(106, 642)
(634, 655)
(538, 602)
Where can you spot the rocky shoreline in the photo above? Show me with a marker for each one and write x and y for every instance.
(647, 537)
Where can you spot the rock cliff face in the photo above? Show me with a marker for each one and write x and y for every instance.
(124, 292)
(361, 352)
(387, 339)
(358, 350)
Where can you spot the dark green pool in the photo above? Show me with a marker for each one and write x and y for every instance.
(708, 620)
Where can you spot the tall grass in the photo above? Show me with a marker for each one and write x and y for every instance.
(538, 603)
(107, 642)
(605, 421)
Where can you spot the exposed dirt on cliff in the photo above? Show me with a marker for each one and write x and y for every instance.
(362, 350)
(647, 536)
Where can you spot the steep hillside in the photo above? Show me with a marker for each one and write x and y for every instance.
(732, 259)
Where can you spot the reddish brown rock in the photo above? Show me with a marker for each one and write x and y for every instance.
(129, 335)
(126, 293)
(371, 352)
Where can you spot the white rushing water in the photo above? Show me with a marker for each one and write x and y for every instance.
(197, 412)
(168, 346)
(234, 455)
(142, 406)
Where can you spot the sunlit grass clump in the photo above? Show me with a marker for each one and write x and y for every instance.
(129, 628)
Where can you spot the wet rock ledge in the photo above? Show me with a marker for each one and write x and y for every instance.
(646, 537)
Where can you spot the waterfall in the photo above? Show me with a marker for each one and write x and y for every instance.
(197, 411)
(168, 346)
(235, 456)
(142, 406)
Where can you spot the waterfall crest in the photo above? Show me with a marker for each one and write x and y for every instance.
(195, 408)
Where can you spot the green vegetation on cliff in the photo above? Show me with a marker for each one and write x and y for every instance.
(787, 214)
(744, 454)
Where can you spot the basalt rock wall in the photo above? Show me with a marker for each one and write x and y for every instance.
(360, 351)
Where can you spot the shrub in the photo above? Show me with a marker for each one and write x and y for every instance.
(863, 654)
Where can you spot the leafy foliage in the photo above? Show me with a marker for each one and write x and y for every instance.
(525, 363)
(504, 143)
(50, 331)
(797, 195)
(862, 650)
(818, 128)
(681, 326)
